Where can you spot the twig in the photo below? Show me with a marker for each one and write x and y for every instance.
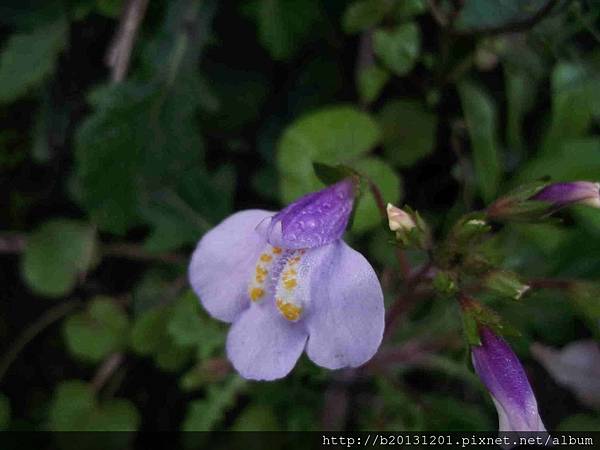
(12, 243)
(550, 283)
(381, 206)
(134, 251)
(119, 52)
(44, 321)
(106, 369)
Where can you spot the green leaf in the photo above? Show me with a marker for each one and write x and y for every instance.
(447, 413)
(28, 59)
(95, 333)
(521, 92)
(478, 15)
(367, 213)
(5, 412)
(285, 25)
(75, 408)
(572, 160)
(481, 117)
(256, 418)
(109, 8)
(333, 136)
(408, 131)
(407, 9)
(72, 404)
(579, 422)
(370, 82)
(398, 48)
(56, 254)
(115, 415)
(140, 141)
(575, 99)
(149, 331)
(363, 14)
(188, 326)
(205, 414)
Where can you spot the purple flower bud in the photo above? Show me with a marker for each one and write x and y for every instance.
(504, 377)
(314, 220)
(563, 194)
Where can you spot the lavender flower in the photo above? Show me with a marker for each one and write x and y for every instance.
(563, 194)
(502, 373)
(289, 284)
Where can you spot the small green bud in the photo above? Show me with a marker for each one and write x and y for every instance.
(445, 283)
(506, 284)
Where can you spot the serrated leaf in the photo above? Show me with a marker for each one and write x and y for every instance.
(56, 254)
(28, 58)
(398, 48)
(363, 14)
(204, 415)
(5, 412)
(285, 25)
(481, 117)
(408, 131)
(370, 82)
(95, 333)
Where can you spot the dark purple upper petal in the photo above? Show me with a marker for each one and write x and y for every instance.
(502, 373)
(562, 194)
(313, 220)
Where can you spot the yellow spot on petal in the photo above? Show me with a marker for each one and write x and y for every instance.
(256, 294)
(277, 250)
(290, 283)
(288, 310)
(265, 257)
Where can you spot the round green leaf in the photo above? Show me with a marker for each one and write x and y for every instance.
(4, 412)
(71, 406)
(408, 131)
(398, 48)
(95, 333)
(370, 81)
(334, 135)
(56, 254)
(115, 415)
(148, 331)
(363, 14)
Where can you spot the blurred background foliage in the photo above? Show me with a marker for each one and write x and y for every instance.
(112, 167)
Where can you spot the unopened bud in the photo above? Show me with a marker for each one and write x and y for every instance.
(506, 284)
(399, 219)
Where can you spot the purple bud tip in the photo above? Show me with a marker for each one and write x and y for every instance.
(313, 220)
(504, 377)
(563, 194)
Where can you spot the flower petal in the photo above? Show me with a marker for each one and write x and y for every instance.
(313, 220)
(223, 262)
(345, 315)
(262, 345)
(504, 377)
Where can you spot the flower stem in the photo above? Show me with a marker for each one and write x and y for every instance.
(44, 321)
